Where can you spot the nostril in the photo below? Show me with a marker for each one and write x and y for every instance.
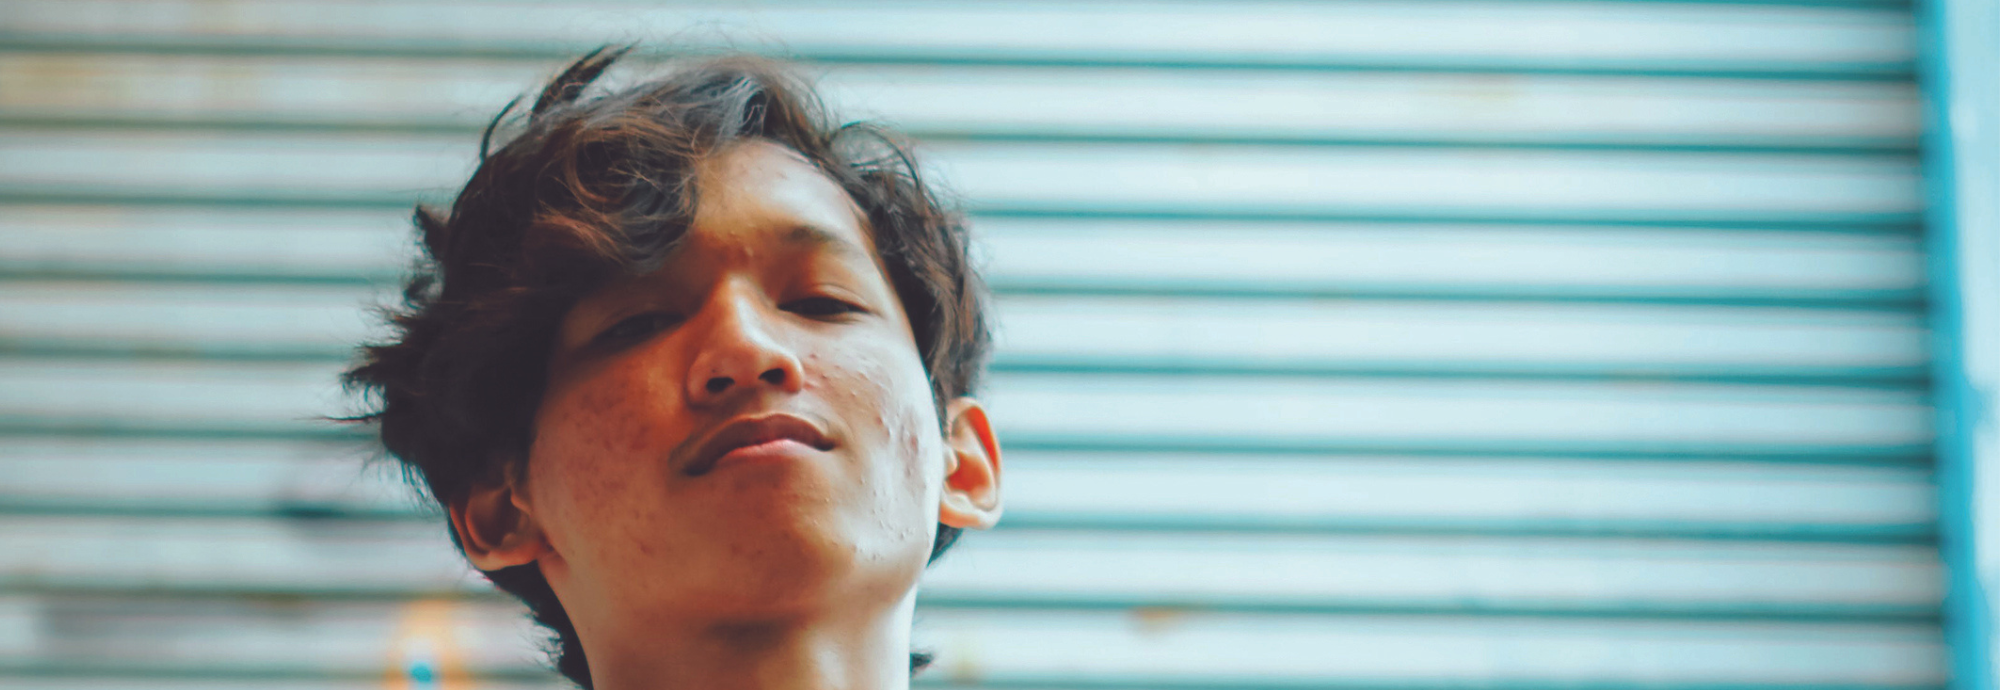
(773, 377)
(718, 384)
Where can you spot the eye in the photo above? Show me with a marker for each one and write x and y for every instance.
(821, 307)
(636, 328)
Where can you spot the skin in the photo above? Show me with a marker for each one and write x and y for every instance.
(796, 568)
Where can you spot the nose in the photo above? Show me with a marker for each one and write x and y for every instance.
(738, 353)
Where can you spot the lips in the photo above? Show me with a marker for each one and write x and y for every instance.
(751, 431)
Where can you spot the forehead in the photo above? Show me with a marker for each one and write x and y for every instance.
(759, 192)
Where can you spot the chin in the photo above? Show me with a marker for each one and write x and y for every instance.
(797, 575)
(787, 562)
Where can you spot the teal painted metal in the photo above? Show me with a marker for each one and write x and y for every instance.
(1910, 458)
(1908, 534)
(1864, 221)
(1898, 455)
(1968, 613)
(1874, 377)
(1559, 141)
(1889, 300)
(264, 46)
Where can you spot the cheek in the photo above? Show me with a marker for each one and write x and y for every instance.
(887, 396)
(596, 439)
(916, 482)
(890, 515)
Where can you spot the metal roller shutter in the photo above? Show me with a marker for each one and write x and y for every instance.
(1359, 344)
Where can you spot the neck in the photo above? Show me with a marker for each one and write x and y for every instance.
(862, 650)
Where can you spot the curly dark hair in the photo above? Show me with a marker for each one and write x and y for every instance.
(598, 187)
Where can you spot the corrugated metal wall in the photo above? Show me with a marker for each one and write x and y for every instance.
(1345, 344)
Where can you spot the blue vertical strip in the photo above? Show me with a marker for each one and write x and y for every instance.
(1967, 621)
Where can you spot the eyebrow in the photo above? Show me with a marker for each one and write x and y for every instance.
(815, 237)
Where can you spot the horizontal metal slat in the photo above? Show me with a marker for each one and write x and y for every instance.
(1566, 36)
(344, 167)
(1057, 490)
(1107, 411)
(208, 477)
(1033, 648)
(1351, 107)
(1449, 261)
(1361, 338)
(83, 677)
(301, 639)
(1517, 576)
(1089, 333)
(301, 321)
(1039, 178)
(1425, 183)
(1451, 416)
(1017, 568)
(1072, 255)
(207, 243)
(1470, 495)
(81, 89)
(1364, 650)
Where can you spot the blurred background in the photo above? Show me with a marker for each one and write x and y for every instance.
(1343, 344)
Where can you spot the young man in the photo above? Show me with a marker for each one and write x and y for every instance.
(688, 369)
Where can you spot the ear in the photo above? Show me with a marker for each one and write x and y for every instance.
(496, 527)
(972, 472)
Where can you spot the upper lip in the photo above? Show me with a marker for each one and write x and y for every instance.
(749, 431)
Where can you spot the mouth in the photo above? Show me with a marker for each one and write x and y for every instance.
(763, 432)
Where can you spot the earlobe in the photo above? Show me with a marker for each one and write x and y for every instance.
(496, 528)
(972, 476)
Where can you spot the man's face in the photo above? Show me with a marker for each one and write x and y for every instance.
(748, 430)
